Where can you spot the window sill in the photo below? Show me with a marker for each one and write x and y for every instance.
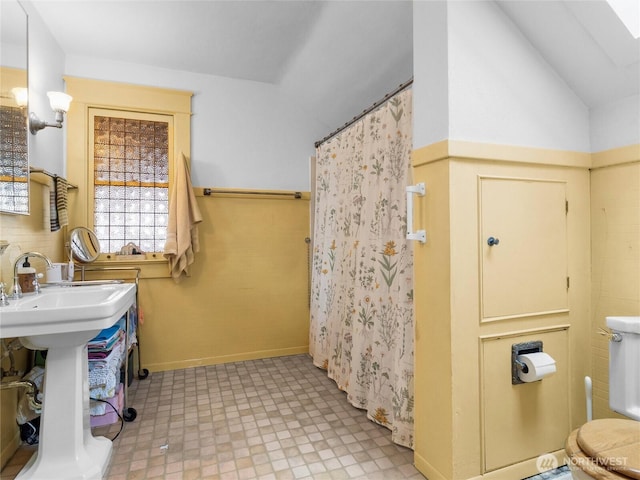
(152, 265)
(142, 258)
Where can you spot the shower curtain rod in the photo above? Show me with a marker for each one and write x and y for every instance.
(388, 96)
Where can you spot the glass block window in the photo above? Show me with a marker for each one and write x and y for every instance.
(131, 182)
(14, 167)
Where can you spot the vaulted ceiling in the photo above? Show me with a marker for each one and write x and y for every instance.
(585, 42)
(312, 49)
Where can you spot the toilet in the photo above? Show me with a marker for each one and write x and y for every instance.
(609, 448)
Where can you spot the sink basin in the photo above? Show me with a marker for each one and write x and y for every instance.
(62, 320)
(65, 310)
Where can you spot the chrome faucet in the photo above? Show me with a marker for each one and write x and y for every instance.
(17, 291)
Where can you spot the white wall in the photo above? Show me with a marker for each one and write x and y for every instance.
(616, 124)
(431, 73)
(500, 90)
(46, 68)
(244, 134)
(13, 24)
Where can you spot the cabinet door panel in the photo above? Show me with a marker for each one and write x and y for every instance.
(522, 421)
(525, 273)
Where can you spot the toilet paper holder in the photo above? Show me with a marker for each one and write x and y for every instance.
(520, 349)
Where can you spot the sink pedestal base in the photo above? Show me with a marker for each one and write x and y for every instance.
(67, 449)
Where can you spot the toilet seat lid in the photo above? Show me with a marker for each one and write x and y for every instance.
(613, 444)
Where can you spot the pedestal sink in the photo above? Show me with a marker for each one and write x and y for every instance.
(62, 320)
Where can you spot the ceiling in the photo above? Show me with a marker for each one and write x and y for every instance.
(312, 49)
(585, 43)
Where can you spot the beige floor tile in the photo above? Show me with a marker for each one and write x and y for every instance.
(272, 419)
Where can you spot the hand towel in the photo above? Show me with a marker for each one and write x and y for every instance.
(61, 201)
(46, 205)
(105, 336)
(182, 229)
(53, 208)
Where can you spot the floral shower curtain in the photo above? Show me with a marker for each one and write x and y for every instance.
(362, 287)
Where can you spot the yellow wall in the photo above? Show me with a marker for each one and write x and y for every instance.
(615, 255)
(24, 233)
(433, 341)
(248, 294)
(453, 441)
(11, 78)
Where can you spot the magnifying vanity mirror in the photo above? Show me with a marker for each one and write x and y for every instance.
(84, 245)
(14, 152)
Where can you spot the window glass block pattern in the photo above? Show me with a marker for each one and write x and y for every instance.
(131, 183)
(14, 166)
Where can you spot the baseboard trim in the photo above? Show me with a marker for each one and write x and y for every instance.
(238, 357)
(516, 471)
(426, 469)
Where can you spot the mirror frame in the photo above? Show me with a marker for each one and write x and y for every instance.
(84, 245)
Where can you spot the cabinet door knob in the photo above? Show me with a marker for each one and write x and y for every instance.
(491, 241)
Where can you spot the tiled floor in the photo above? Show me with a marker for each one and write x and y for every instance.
(278, 418)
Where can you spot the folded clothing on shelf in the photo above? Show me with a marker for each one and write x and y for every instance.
(100, 345)
(103, 414)
(104, 374)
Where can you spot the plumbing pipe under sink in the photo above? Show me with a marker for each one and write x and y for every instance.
(32, 391)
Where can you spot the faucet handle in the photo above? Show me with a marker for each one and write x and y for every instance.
(3, 296)
(36, 283)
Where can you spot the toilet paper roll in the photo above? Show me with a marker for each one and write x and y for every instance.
(536, 366)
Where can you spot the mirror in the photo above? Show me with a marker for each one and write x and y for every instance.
(14, 152)
(84, 245)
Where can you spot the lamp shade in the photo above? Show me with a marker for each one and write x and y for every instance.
(59, 101)
(21, 94)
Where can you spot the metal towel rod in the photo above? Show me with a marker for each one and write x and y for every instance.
(50, 175)
(210, 191)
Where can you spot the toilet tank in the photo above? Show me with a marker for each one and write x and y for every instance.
(624, 366)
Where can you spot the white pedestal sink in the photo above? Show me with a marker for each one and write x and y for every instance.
(62, 320)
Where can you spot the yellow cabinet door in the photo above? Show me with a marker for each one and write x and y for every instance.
(523, 421)
(523, 247)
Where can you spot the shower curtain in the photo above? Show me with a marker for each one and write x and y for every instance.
(362, 323)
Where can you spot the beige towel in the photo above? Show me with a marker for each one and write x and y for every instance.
(182, 229)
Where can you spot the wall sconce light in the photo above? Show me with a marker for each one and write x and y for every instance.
(60, 104)
(21, 96)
